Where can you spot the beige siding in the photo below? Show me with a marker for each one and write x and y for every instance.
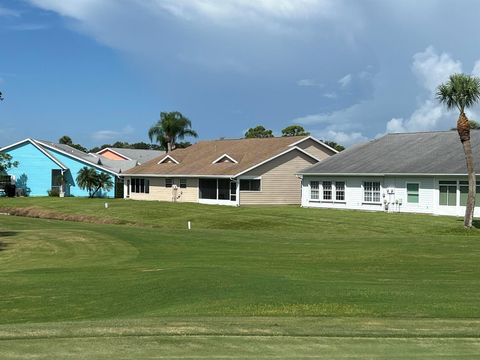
(279, 183)
(159, 192)
(315, 149)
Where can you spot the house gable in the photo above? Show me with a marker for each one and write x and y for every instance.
(168, 160)
(225, 158)
(34, 171)
(279, 184)
(112, 154)
(316, 148)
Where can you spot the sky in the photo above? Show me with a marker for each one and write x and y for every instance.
(346, 70)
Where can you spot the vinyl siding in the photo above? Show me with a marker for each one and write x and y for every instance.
(315, 149)
(279, 184)
(393, 189)
(158, 191)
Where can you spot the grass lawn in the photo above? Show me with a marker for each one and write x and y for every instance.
(258, 282)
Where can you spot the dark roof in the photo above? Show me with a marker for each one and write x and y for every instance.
(198, 159)
(432, 153)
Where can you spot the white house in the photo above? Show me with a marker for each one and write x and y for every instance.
(410, 172)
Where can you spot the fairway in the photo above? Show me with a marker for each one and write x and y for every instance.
(260, 282)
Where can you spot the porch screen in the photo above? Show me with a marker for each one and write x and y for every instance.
(208, 188)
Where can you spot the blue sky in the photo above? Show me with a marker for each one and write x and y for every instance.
(347, 70)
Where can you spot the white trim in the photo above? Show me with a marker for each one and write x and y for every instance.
(113, 151)
(168, 157)
(406, 192)
(33, 142)
(276, 156)
(77, 158)
(310, 137)
(225, 156)
(217, 202)
(380, 191)
(177, 176)
(377, 174)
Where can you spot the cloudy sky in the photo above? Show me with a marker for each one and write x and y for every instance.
(347, 70)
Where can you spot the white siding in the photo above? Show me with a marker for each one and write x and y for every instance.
(393, 190)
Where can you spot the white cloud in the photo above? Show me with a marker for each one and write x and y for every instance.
(309, 83)
(341, 126)
(106, 135)
(476, 68)
(330, 95)
(224, 11)
(247, 10)
(345, 81)
(28, 27)
(8, 12)
(431, 69)
(341, 137)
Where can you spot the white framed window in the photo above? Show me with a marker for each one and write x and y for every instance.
(327, 190)
(140, 186)
(315, 190)
(340, 190)
(168, 182)
(448, 193)
(413, 193)
(371, 191)
(464, 192)
(183, 183)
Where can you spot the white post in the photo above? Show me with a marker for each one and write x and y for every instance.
(189, 224)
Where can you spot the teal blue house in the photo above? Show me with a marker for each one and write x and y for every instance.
(42, 163)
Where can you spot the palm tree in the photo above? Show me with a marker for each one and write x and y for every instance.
(461, 92)
(171, 127)
(92, 181)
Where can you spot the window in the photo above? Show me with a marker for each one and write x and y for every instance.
(183, 183)
(315, 190)
(412, 193)
(340, 191)
(168, 182)
(140, 186)
(250, 185)
(327, 190)
(371, 192)
(448, 193)
(464, 192)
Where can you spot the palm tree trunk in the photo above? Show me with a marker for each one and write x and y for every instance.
(169, 146)
(463, 128)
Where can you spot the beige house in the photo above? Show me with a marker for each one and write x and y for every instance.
(228, 172)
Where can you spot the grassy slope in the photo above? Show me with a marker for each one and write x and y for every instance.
(368, 275)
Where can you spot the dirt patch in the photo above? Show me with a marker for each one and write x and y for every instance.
(34, 212)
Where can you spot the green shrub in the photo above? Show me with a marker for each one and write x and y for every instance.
(54, 192)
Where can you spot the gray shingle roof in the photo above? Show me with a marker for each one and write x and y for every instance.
(119, 166)
(139, 155)
(438, 152)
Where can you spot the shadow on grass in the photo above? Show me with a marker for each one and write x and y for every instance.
(476, 224)
(4, 245)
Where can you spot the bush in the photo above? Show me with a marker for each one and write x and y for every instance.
(54, 192)
(10, 190)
